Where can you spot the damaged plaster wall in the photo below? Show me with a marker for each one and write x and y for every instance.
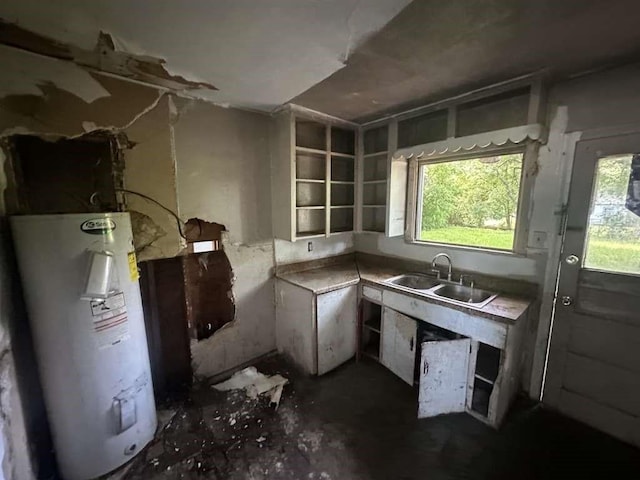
(63, 101)
(223, 171)
(141, 113)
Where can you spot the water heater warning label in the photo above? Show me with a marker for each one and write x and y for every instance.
(110, 320)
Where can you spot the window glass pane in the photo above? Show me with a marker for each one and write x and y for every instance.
(471, 202)
(613, 232)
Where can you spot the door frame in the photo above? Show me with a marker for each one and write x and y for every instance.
(599, 144)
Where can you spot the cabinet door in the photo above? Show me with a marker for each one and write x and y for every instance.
(336, 314)
(398, 352)
(443, 377)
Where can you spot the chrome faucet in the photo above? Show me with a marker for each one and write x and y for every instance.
(443, 255)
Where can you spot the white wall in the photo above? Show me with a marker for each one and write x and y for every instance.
(293, 252)
(223, 172)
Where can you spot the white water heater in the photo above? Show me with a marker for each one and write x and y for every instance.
(80, 282)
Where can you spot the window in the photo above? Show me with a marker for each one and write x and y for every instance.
(613, 230)
(470, 202)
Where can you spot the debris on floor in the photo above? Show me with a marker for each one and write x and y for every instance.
(359, 423)
(234, 430)
(255, 383)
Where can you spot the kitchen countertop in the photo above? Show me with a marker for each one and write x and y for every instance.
(324, 279)
(504, 308)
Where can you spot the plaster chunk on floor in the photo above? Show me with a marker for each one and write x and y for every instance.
(254, 383)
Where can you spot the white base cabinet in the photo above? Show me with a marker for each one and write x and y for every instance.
(336, 314)
(443, 373)
(398, 344)
(465, 362)
(317, 331)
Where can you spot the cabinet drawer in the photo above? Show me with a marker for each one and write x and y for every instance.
(372, 293)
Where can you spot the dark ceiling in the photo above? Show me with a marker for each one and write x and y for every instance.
(434, 49)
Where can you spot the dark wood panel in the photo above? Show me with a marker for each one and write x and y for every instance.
(610, 305)
(610, 282)
(163, 298)
(208, 279)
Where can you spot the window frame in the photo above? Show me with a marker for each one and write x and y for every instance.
(529, 151)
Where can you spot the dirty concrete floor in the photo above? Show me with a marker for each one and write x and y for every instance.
(359, 422)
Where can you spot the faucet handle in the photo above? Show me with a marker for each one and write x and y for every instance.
(468, 277)
(435, 271)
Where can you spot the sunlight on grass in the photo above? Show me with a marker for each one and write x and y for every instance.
(475, 237)
(613, 256)
(601, 254)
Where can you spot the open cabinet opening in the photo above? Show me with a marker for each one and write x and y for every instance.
(371, 329)
(486, 373)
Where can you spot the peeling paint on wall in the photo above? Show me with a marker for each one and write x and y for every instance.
(145, 231)
(252, 333)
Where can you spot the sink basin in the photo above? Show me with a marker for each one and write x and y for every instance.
(416, 281)
(465, 294)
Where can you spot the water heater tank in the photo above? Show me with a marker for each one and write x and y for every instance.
(80, 283)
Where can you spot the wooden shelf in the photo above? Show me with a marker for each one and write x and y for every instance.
(375, 154)
(343, 155)
(483, 379)
(374, 182)
(340, 232)
(374, 324)
(309, 180)
(340, 182)
(316, 234)
(342, 206)
(311, 207)
(310, 150)
(372, 351)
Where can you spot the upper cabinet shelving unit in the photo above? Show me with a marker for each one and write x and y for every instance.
(382, 180)
(331, 176)
(314, 176)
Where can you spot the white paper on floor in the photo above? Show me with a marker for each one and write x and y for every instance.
(255, 383)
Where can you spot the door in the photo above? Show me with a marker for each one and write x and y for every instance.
(593, 369)
(398, 350)
(337, 319)
(444, 369)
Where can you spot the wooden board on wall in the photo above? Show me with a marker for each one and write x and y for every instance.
(163, 300)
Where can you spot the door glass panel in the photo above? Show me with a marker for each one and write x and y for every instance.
(613, 232)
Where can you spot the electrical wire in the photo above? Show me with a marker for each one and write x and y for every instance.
(152, 200)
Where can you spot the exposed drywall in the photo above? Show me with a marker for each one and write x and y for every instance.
(252, 333)
(56, 104)
(223, 171)
(141, 113)
(35, 71)
(259, 54)
(103, 57)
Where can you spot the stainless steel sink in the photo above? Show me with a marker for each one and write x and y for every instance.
(415, 281)
(464, 294)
